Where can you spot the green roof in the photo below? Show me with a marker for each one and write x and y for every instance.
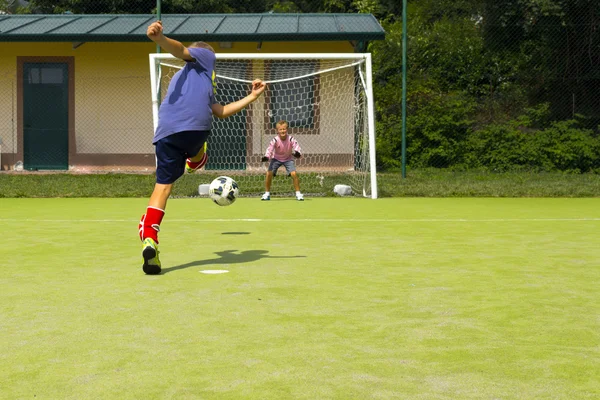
(189, 27)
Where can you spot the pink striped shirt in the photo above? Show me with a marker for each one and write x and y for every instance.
(282, 150)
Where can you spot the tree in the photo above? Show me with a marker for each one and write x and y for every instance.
(13, 6)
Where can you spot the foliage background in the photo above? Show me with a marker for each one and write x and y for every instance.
(499, 86)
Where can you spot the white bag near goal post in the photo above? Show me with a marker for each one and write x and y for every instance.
(327, 100)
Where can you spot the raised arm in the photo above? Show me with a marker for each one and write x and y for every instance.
(175, 47)
(224, 111)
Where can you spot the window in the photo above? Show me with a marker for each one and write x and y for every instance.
(45, 75)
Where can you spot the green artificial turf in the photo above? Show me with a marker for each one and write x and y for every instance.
(331, 298)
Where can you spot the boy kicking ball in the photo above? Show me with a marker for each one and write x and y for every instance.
(184, 125)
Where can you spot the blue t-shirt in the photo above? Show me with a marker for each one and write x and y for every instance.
(191, 93)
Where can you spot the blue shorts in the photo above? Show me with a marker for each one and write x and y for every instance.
(274, 165)
(173, 150)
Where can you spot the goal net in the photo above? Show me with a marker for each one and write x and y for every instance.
(326, 99)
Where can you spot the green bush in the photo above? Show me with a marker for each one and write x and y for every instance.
(438, 126)
(560, 147)
(497, 148)
(563, 147)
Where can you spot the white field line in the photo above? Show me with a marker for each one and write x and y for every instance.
(290, 220)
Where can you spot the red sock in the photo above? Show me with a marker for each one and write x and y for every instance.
(149, 225)
(199, 164)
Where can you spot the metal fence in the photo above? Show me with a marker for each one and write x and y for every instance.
(86, 106)
(492, 85)
(496, 86)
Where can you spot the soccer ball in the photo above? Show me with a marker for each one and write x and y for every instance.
(223, 190)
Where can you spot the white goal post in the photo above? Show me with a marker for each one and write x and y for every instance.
(327, 99)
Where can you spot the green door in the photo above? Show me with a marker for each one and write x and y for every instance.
(227, 141)
(45, 116)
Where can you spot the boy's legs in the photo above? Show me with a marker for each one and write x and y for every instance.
(150, 223)
(171, 154)
(296, 180)
(268, 182)
(271, 172)
(200, 155)
(193, 164)
(160, 195)
(299, 195)
(290, 166)
(150, 226)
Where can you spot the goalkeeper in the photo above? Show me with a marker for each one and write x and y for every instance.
(282, 150)
(184, 123)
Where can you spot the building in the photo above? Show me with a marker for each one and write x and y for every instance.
(75, 92)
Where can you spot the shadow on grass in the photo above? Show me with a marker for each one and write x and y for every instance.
(228, 257)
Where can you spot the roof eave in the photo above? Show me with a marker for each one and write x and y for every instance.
(207, 37)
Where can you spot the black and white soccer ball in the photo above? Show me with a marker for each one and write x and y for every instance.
(223, 191)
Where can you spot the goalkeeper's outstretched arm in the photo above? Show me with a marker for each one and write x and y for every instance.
(224, 111)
